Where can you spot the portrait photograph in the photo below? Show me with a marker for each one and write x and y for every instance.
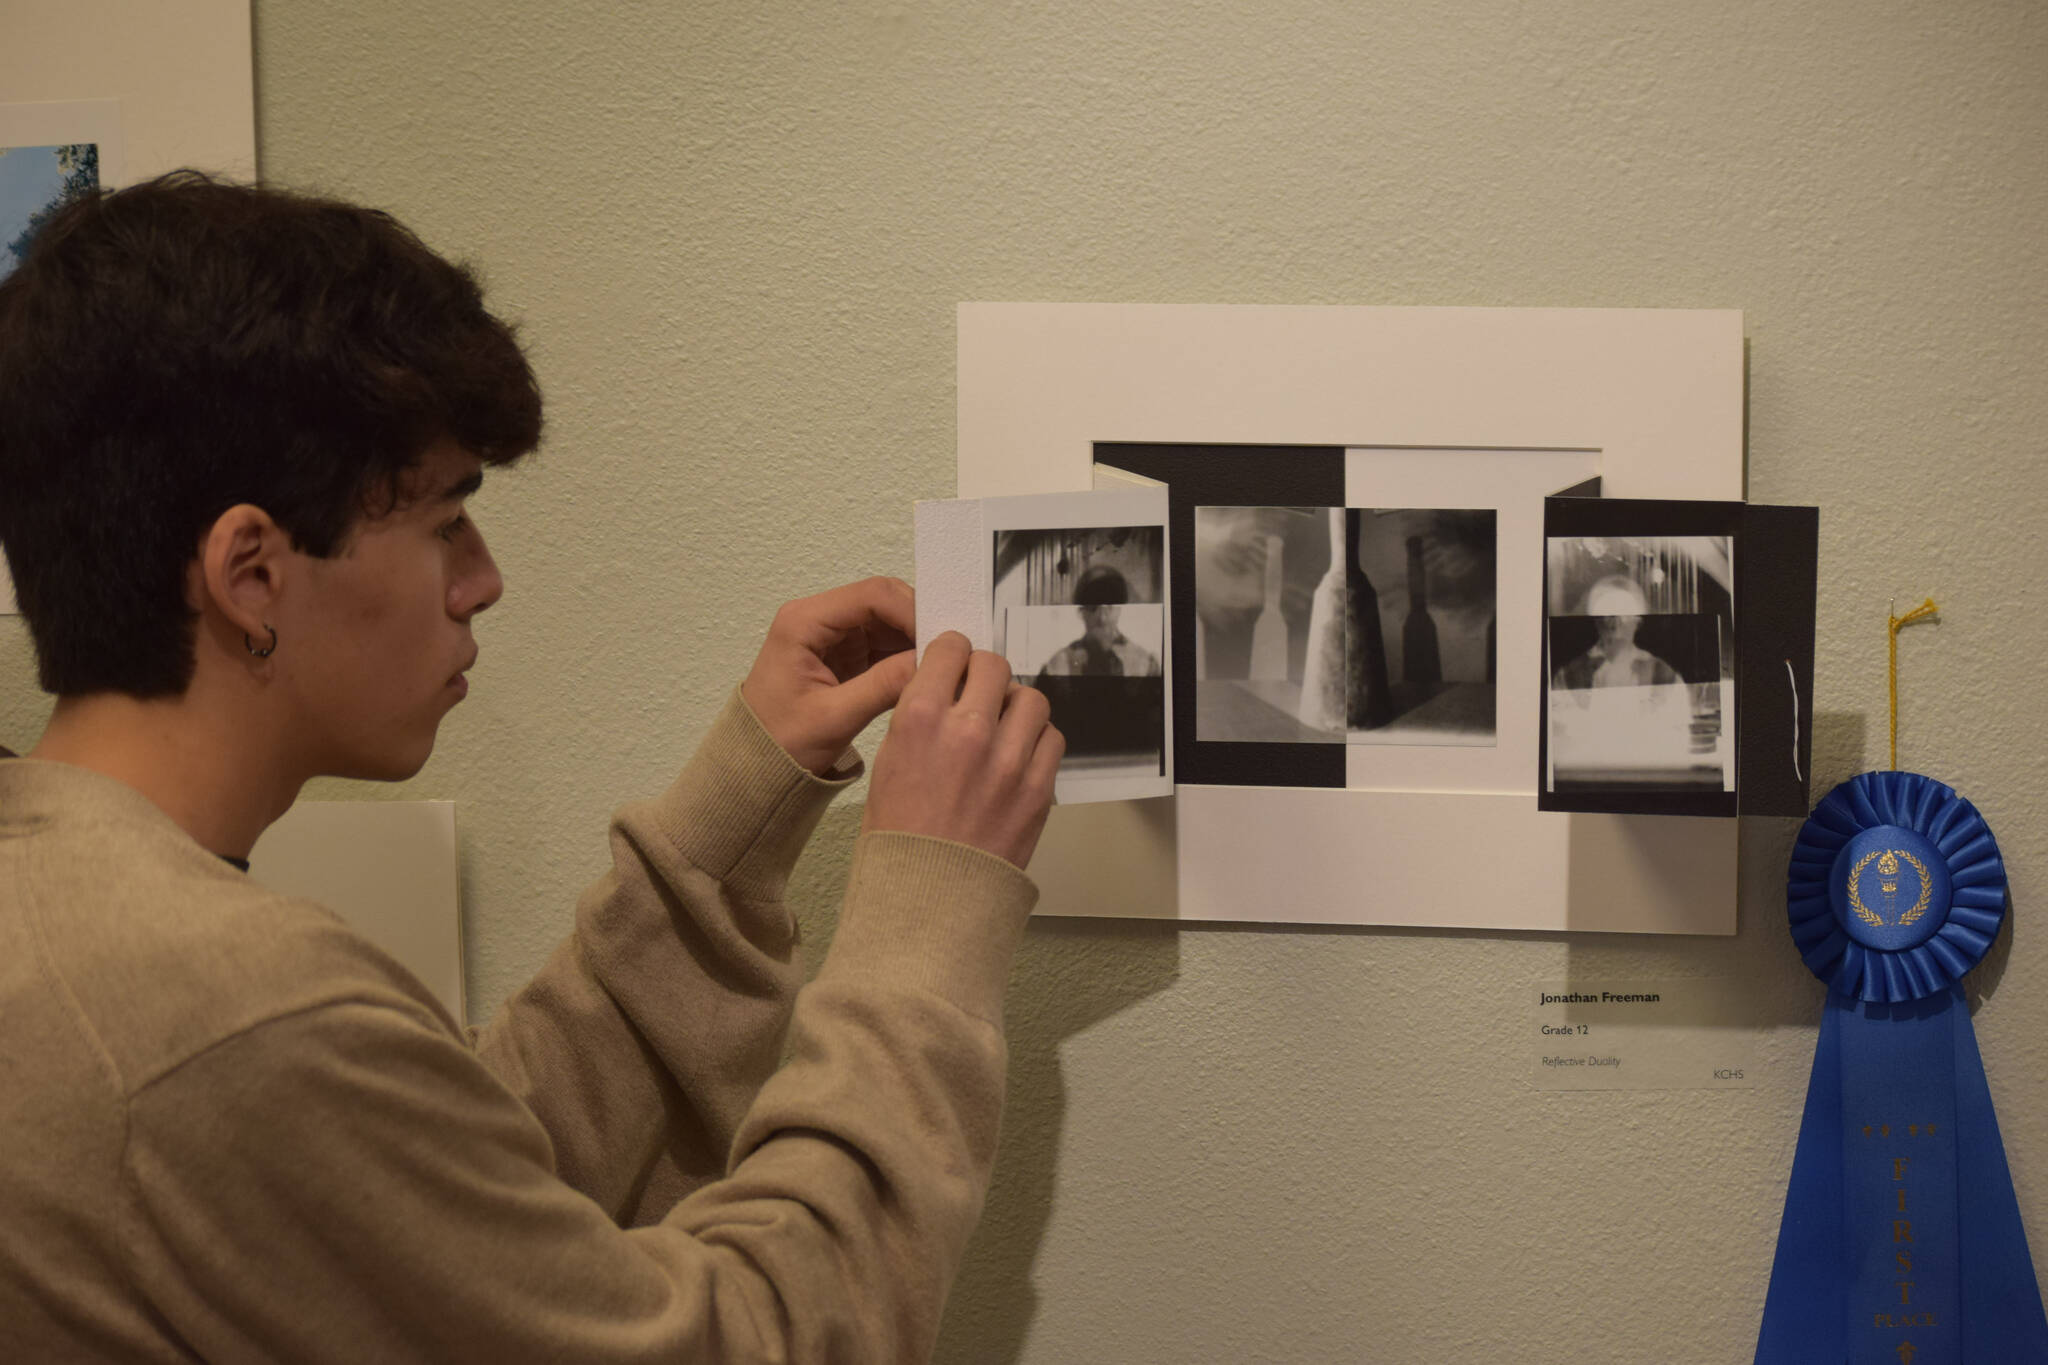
(1080, 614)
(1640, 664)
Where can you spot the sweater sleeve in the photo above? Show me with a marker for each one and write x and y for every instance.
(651, 1028)
(348, 1183)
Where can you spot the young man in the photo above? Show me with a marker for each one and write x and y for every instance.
(237, 429)
(1102, 651)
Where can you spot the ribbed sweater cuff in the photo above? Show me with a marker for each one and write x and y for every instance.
(932, 915)
(742, 808)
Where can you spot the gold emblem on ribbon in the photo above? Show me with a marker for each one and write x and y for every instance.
(1887, 861)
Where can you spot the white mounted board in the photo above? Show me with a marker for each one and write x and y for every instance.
(1655, 395)
(389, 868)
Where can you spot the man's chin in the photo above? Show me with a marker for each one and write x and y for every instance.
(392, 766)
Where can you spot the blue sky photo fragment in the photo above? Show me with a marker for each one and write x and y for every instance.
(35, 182)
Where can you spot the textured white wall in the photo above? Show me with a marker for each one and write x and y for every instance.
(735, 233)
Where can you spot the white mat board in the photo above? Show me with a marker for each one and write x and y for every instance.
(389, 868)
(1656, 393)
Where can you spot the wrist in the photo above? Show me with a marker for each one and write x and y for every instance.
(742, 808)
(821, 760)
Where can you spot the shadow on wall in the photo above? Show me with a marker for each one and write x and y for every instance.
(1070, 974)
(1757, 973)
(1760, 968)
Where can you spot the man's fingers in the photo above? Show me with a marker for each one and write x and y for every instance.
(883, 638)
(1045, 758)
(1039, 778)
(1025, 714)
(938, 676)
(866, 695)
(857, 607)
(972, 755)
(851, 655)
(988, 677)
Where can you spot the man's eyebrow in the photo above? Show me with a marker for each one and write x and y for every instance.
(462, 488)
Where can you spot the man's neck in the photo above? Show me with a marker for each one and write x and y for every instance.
(196, 764)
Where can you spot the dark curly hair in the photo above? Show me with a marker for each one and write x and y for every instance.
(170, 350)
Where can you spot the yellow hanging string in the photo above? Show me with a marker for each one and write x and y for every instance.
(1919, 613)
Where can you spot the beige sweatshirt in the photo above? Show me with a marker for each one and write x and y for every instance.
(230, 1130)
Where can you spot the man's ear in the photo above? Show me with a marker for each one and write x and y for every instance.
(240, 569)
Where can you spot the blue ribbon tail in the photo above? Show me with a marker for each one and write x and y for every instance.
(2002, 1313)
(1804, 1308)
(1901, 1237)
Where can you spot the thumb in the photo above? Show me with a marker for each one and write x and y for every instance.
(866, 695)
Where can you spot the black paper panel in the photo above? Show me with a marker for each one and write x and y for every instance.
(1774, 605)
(1230, 476)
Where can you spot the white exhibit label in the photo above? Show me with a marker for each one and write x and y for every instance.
(1642, 1035)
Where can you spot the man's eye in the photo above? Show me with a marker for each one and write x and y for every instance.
(454, 527)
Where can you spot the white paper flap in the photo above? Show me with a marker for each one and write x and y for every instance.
(389, 868)
(952, 572)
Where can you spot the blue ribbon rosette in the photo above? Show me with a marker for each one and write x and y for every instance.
(1901, 1242)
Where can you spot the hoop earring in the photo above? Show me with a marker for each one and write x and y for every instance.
(267, 650)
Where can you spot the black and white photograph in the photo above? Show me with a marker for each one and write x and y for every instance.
(1421, 625)
(1080, 614)
(1640, 664)
(1269, 624)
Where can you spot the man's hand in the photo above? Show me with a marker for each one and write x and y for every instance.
(970, 755)
(831, 664)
